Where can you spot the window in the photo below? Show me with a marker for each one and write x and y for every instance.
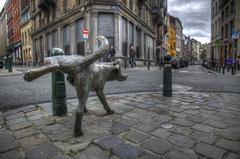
(124, 2)
(66, 37)
(65, 4)
(131, 34)
(231, 28)
(55, 38)
(106, 28)
(232, 7)
(80, 40)
(222, 15)
(49, 44)
(131, 4)
(124, 37)
(226, 12)
(226, 30)
(80, 2)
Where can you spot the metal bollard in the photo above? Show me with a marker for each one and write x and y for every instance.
(232, 70)
(58, 88)
(148, 64)
(223, 70)
(10, 63)
(219, 69)
(167, 77)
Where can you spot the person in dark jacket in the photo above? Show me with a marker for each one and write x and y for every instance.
(112, 54)
(132, 56)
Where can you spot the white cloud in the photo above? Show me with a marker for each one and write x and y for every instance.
(195, 16)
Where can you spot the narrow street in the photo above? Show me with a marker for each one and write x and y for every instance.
(15, 92)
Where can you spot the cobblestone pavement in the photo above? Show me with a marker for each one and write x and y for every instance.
(145, 126)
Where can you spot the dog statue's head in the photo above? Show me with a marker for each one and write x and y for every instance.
(117, 72)
(112, 71)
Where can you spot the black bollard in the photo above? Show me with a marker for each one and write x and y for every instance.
(223, 70)
(58, 88)
(232, 70)
(167, 77)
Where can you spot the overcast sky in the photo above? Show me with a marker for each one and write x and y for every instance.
(2, 4)
(195, 16)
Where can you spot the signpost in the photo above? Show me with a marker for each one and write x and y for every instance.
(85, 34)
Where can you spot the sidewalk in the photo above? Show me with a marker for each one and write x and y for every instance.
(145, 126)
(226, 72)
(4, 72)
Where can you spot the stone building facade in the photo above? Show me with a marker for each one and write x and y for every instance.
(187, 48)
(26, 27)
(61, 23)
(159, 8)
(225, 17)
(3, 33)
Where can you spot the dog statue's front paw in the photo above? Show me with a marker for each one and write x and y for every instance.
(110, 112)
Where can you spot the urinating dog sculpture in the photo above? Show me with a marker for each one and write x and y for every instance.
(84, 75)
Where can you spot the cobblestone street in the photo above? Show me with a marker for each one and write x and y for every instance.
(145, 126)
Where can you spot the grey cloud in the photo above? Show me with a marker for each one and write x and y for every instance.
(195, 16)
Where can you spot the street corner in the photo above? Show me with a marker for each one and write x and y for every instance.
(145, 125)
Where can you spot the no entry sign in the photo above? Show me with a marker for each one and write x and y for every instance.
(85, 34)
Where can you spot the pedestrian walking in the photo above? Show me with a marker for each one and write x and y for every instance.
(112, 53)
(238, 63)
(132, 56)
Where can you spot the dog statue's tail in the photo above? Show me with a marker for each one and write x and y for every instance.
(88, 60)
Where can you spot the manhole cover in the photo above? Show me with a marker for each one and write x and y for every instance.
(166, 126)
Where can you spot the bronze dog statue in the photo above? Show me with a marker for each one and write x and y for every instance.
(84, 75)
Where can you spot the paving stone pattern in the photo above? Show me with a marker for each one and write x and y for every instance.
(202, 126)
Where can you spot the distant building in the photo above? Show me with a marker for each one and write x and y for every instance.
(205, 52)
(26, 28)
(10, 30)
(179, 37)
(159, 8)
(225, 20)
(3, 33)
(172, 36)
(195, 52)
(187, 48)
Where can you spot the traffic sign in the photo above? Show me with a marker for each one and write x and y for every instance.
(85, 34)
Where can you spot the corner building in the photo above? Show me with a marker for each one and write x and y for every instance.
(61, 23)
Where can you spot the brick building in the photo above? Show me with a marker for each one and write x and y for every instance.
(123, 22)
(26, 27)
(16, 31)
(10, 33)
